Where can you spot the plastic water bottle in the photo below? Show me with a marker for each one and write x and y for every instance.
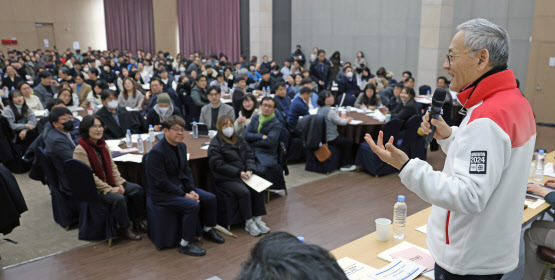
(93, 104)
(195, 130)
(140, 144)
(540, 162)
(148, 144)
(399, 218)
(428, 93)
(150, 133)
(128, 139)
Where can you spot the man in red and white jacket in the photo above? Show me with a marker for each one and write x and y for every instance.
(475, 224)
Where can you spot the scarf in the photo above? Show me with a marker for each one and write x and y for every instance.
(168, 114)
(263, 119)
(104, 172)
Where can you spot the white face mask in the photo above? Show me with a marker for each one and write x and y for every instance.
(297, 73)
(112, 104)
(164, 110)
(349, 75)
(379, 80)
(204, 61)
(228, 131)
(86, 69)
(252, 68)
(182, 69)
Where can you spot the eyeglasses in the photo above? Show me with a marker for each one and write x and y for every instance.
(450, 56)
(178, 130)
(97, 127)
(267, 106)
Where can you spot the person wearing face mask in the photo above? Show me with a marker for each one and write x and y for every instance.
(253, 74)
(380, 80)
(117, 119)
(21, 118)
(348, 88)
(161, 111)
(231, 160)
(59, 144)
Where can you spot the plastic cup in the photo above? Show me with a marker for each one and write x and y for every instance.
(382, 229)
(387, 117)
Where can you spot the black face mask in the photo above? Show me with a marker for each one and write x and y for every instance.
(68, 126)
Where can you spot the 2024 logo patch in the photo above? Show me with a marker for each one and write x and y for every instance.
(478, 162)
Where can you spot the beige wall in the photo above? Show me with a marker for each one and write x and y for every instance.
(540, 85)
(166, 32)
(73, 20)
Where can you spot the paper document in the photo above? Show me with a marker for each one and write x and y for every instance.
(313, 111)
(356, 270)
(205, 147)
(423, 229)
(400, 269)
(130, 158)
(548, 170)
(39, 113)
(355, 122)
(257, 183)
(386, 255)
(417, 256)
(113, 145)
(533, 204)
(377, 115)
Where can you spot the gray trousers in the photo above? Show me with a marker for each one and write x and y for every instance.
(541, 233)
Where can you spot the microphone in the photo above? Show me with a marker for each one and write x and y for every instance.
(435, 110)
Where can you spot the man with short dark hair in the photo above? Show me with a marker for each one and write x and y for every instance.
(171, 186)
(299, 107)
(409, 82)
(47, 88)
(320, 71)
(64, 75)
(117, 119)
(266, 83)
(198, 93)
(283, 101)
(313, 104)
(93, 76)
(59, 144)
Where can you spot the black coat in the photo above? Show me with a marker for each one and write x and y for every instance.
(127, 120)
(344, 85)
(404, 112)
(152, 118)
(7, 147)
(12, 203)
(167, 176)
(316, 73)
(227, 161)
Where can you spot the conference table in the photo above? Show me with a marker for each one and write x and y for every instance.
(367, 248)
(356, 132)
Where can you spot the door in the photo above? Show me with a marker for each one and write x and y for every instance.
(45, 35)
(544, 88)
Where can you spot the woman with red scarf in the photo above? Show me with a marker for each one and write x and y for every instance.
(112, 188)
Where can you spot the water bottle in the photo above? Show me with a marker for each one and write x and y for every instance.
(540, 162)
(140, 144)
(428, 93)
(150, 133)
(93, 104)
(148, 144)
(399, 217)
(268, 91)
(195, 130)
(128, 139)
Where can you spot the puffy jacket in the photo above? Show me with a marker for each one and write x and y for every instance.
(478, 198)
(227, 161)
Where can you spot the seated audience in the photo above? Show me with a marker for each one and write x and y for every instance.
(93, 76)
(70, 99)
(307, 82)
(281, 255)
(266, 83)
(368, 99)
(21, 118)
(64, 76)
(171, 186)
(198, 93)
(263, 135)
(130, 96)
(221, 83)
(120, 196)
(299, 107)
(325, 101)
(46, 89)
(117, 119)
(380, 80)
(43, 123)
(409, 82)
(94, 95)
(32, 100)
(82, 89)
(238, 93)
(395, 99)
(283, 101)
(59, 144)
(249, 108)
(11, 78)
(347, 88)
(209, 114)
(161, 111)
(407, 108)
(232, 160)
(541, 233)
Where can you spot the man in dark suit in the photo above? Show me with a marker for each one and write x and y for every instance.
(171, 185)
(46, 89)
(117, 119)
(320, 71)
(59, 144)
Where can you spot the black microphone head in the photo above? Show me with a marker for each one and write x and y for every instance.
(439, 97)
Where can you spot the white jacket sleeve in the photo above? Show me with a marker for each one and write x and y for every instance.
(465, 191)
(445, 143)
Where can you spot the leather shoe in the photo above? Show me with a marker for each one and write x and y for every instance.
(140, 226)
(129, 234)
(212, 235)
(191, 250)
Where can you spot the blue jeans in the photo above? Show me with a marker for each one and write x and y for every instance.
(442, 274)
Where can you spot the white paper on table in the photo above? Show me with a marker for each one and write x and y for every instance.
(355, 122)
(257, 183)
(130, 158)
(131, 109)
(534, 204)
(423, 229)
(113, 145)
(205, 147)
(377, 115)
(39, 113)
(429, 274)
(548, 170)
(399, 269)
(114, 88)
(79, 118)
(313, 111)
(356, 270)
(386, 255)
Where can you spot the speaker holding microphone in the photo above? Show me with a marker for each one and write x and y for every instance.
(435, 111)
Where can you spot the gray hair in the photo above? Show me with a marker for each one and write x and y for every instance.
(481, 34)
(243, 72)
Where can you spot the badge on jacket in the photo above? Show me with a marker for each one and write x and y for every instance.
(478, 162)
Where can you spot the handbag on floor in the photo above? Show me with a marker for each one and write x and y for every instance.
(323, 153)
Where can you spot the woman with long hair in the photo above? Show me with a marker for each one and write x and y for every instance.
(368, 99)
(249, 108)
(21, 118)
(130, 96)
(32, 100)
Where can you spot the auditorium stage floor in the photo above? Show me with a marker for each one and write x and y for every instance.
(329, 212)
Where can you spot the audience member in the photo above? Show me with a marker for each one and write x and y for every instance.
(117, 119)
(171, 186)
(93, 76)
(409, 82)
(238, 93)
(299, 56)
(64, 76)
(380, 80)
(360, 63)
(21, 118)
(266, 83)
(406, 108)
(368, 99)
(32, 100)
(122, 197)
(65, 94)
(161, 111)
(347, 88)
(336, 65)
(46, 89)
(209, 114)
(11, 79)
(286, 69)
(231, 162)
(130, 96)
(299, 107)
(320, 71)
(307, 82)
(82, 89)
(396, 98)
(198, 93)
(94, 95)
(282, 100)
(249, 108)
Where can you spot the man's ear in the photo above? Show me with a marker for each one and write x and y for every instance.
(483, 59)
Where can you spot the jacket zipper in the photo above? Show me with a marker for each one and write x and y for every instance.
(447, 228)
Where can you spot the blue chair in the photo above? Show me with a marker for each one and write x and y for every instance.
(325, 167)
(64, 208)
(164, 226)
(369, 161)
(412, 143)
(95, 219)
